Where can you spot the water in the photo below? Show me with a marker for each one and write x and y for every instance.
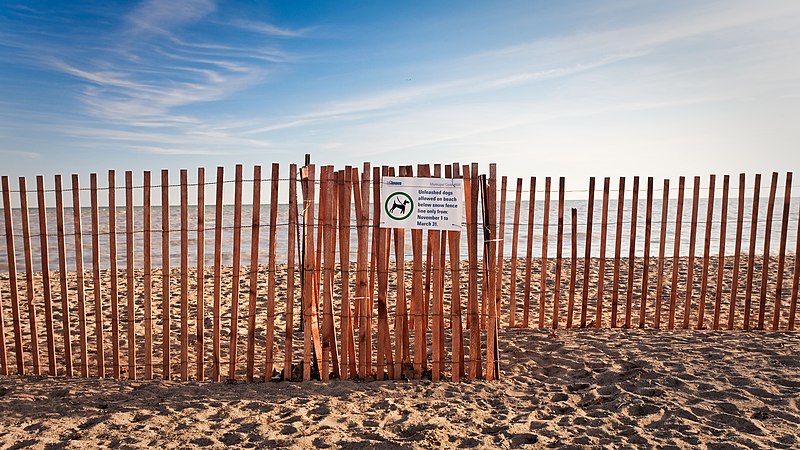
(283, 230)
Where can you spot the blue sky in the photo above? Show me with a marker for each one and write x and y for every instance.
(572, 88)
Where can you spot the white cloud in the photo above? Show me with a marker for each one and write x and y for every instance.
(269, 29)
(21, 154)
(156, 16)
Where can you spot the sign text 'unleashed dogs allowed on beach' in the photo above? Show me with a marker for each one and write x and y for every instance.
(422, 203)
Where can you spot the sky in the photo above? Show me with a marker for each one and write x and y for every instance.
(568, 88)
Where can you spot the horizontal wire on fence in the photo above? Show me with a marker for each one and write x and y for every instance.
(213, 182)
(353, 226)
(154, 187)
(644, 190)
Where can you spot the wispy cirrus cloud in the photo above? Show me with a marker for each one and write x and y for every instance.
(394, 98)
(269, 29)
(21, 154)
(155, 16)
(562, 57)
(155, 68)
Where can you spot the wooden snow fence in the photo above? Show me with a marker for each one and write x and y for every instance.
(300, 282)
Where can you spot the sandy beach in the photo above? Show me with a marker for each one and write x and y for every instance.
(605, 388)
(574, 389)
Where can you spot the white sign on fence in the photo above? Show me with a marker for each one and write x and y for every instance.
(422, 203)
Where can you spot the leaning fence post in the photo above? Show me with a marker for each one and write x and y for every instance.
(762, 304)
(787, 194)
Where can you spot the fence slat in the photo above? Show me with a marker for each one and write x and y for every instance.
(737, 253)
(501, 244)
(311, 339)
(795, 278)
(255, 227)
(333, 193)
(632, 253)
(166, 276)
(573, 263)
(361, 199)
(559, 253)
(236, 275)
(529, 255)
(437, 312)
(330, 363)
(416, 303)
(706, 251)
(471, 186)
(321, 246)
(130, 275)
(96, 286)
(429, 272)
(787, 195)
(373, 271)
(253, 276)
(648, 228)
(762, 302)
(587, 258)
(347, 366)
(44, 259)
(512, 295)
(687, 309)
(291, 236)
(29, 289)
(148, 274)
(325, 268)
(62, 275)
(272, 267)
(601, 277)
(617, 252)
(12, 277)
(76, 215)
(751, 260)
(384, 345)
(3, 356)
(544, 269)
(676, 254)
(454, 241)
(385, 248)
(401, 340)
(721, 258)
(662, 247)
(200, 275)
(184, 280)
(489, 191)
(114, 287)
(216, 363)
